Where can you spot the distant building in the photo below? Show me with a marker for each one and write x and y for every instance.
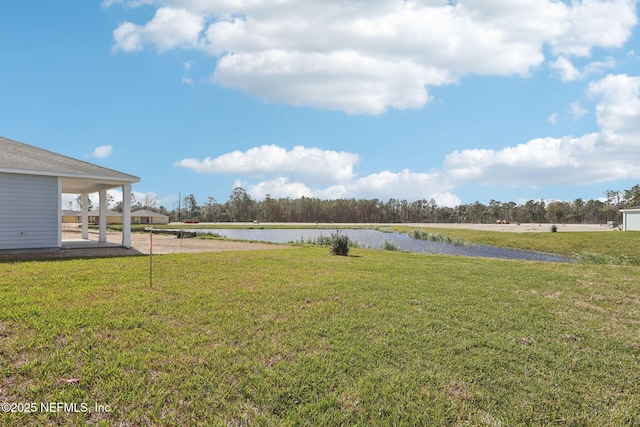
(32, 181)
(69, 216)
(144, 216)
(631, 218)
(112, 217)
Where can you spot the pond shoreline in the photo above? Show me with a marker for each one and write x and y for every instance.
(372, 238)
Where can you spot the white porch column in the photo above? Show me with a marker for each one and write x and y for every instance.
(59, 212)
(102, 194)
(85, 216)
(126, 215)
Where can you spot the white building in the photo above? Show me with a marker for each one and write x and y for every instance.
(631, 218)
(32, 181)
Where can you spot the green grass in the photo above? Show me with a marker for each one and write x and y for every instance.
(300, 337)
(593, 258)
(614, 243)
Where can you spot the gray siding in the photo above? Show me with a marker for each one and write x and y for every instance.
(632, 221)
(29, 211)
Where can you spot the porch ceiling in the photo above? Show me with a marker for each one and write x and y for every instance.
(88, 186)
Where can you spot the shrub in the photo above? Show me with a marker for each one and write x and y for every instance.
(438, 237)
(389, 246)
(210, 236)
(339, 244)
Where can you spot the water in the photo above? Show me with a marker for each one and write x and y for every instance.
(375, 239)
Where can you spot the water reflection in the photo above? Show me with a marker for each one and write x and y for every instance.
(375, 239)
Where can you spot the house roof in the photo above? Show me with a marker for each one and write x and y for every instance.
(147, 213)
(96, 212)
(77, 176)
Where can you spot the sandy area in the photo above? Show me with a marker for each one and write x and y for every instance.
(75, 246)
(169, 244)
(522, 228)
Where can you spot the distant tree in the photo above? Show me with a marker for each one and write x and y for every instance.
(494, 211)
(211, 210)
(79, 203)
(135, 204)
(191, 207)
(536, 211)
(614, 199)
(632, 196)
(150, 201)
(577, 211)
(240, 205)
(477, 212)
(558, 211)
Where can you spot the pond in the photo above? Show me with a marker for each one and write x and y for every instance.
(375, 239)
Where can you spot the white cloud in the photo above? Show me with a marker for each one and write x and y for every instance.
(618, 111)
(536, 163)
(126, 3)
(366, 57)
(595, 23)
(576, 110)
(188, 65)
(553, 118)
(279, 187)
(384, 185)
(598, 67)
(313, 172)
(127, 37)
(406, 185)
(601, 156)
(345, 80)
(94, 199)
(567, 72)
(311, 164)
(169, 29)
(102, 152)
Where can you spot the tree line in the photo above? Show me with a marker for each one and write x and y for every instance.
(241, 207)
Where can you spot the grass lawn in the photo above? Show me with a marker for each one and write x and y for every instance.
(613, 243)
(299, 337)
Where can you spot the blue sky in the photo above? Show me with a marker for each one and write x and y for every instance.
(459, 101)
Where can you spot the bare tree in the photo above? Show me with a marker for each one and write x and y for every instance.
(79, 203)
(150, 201)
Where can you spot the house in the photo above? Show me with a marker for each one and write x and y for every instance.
(631, 218)
(148, 217)
(112, 217)
(71, 216)
(32, 181)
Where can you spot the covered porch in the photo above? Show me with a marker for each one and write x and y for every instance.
(84, 187)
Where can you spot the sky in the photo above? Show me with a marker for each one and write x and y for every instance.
(456, 101)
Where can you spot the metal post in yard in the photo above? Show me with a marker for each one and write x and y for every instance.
(151, 258)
